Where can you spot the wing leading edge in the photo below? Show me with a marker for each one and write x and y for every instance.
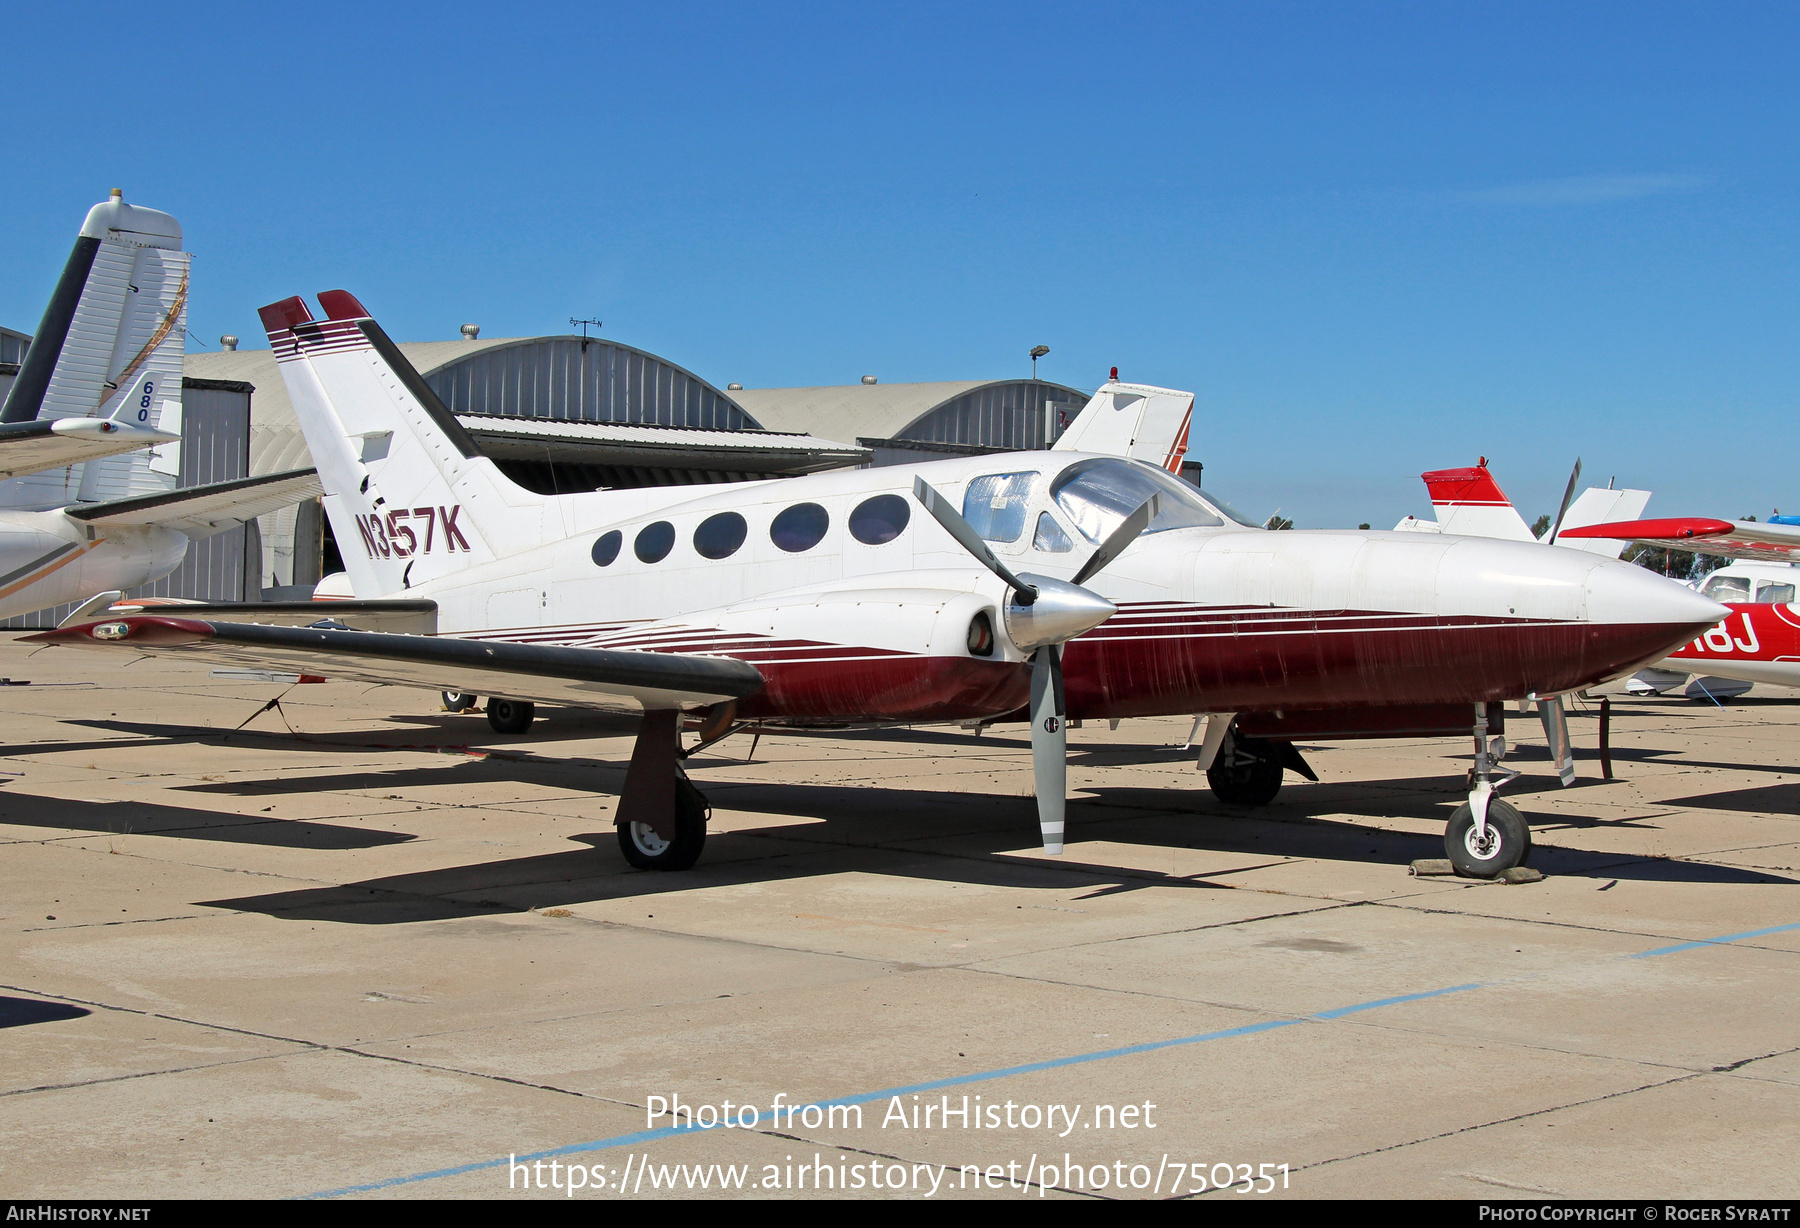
(590, 677)
(1732, 539)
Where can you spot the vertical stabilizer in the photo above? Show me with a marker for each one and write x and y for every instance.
(110, 346)
(1133, 420)
(1469, 503)
(1597, 506)
(409, 495)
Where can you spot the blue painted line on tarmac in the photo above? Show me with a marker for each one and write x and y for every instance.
(1341, 1011)
(1006, 1072)
(1713, 942)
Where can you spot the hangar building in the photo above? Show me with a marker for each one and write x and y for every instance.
(568, 413)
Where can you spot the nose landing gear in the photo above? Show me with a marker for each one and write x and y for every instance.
(1486, 836)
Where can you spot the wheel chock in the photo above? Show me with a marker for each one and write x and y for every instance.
(1433, 867)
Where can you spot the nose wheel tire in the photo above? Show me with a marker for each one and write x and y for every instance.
(647, 850)
(1249, 774)
(510, 715)
(1507, 843)
(459, 701)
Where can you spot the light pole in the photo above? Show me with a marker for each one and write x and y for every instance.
(1037, 352)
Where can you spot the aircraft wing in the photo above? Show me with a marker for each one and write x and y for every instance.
(32, 447)
(401, 615)
(1732, 539)
(201, 511)
(591, 677)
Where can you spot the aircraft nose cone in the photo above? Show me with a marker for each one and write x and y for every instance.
(1626, 593)
(1636, 616)
(1061, 612)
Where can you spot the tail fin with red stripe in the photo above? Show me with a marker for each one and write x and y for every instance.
(1469, 503)
(1133, 420)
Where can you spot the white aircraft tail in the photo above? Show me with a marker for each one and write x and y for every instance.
(110, 345)
(1597, 506)
(1134, 420)
(410, 496)
(1469, 503)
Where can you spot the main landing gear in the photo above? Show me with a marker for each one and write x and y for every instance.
(505, 715)
(1487, 836)
(1245, 771)
(662, 816)
(510, 715)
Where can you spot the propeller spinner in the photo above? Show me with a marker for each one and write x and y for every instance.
(1043, 614)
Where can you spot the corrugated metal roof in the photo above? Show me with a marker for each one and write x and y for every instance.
(276, 442)
(850, 411)
(872, 411)
(660, 436)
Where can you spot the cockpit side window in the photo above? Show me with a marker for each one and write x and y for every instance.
(1727, 588)
(995, 505)
(1773, 594)
(1096, 495)
(1049, 537)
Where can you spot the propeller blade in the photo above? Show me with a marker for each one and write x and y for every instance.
(1555, 718)
(1117, 540)
(966, 537)
(1568, 497)
(1049, 744)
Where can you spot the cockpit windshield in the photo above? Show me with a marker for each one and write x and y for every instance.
(1096, 495)
(1230, 512)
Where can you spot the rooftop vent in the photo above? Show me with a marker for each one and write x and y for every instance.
(228, 341)
(471, 331)
(734, 387)
(870, 379)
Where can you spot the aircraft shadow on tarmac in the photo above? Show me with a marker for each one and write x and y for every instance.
(130, 819)
(1759, 799)
(21, 1012)
(963, 838)
(603, 778)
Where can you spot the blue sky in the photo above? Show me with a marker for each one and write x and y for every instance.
(1373, 238)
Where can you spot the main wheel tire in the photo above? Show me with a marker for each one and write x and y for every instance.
(510, 715)
(646, 850)
(1247, 775)
(460, 701)
(1508, 841)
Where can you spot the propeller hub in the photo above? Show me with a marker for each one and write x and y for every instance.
(1060, 612)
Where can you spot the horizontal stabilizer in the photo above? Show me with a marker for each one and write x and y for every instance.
(1731, 539)
(32, 447)
(201, 511)
(591, 677)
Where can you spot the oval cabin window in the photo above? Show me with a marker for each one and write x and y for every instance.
(800, 527)
(654, 541)
(606, 549)
(719, 537)
(879, 520)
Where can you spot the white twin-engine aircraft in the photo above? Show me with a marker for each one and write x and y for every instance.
(102, 377)
(1069, 585)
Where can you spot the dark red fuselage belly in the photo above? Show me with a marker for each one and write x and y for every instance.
(1229, 661)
